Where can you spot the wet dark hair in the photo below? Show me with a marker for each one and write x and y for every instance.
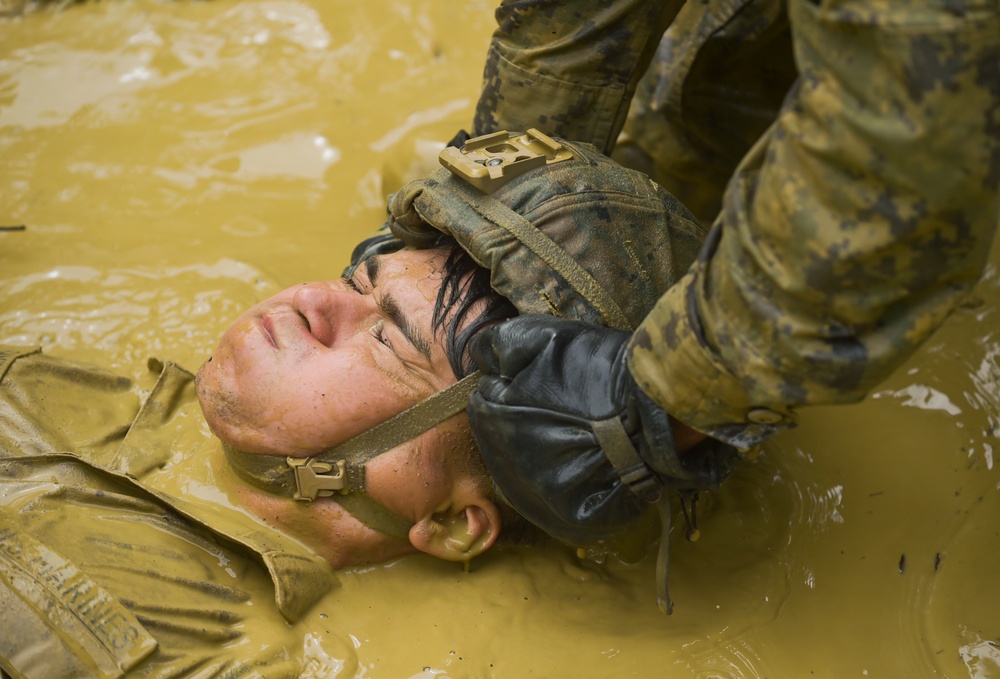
(465, 296)
(465, 293)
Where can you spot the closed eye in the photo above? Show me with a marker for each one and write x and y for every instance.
(352, 285)
(378, 332)
(392, 310)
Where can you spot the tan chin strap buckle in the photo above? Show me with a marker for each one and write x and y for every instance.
(490, 161)
(313, 479)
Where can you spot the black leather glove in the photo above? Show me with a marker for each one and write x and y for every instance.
(571, 442)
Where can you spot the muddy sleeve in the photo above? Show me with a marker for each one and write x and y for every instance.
(850, 231)
(569, 68)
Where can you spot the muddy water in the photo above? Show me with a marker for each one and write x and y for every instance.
(175, 162)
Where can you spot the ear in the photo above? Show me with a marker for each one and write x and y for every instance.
(457, 534)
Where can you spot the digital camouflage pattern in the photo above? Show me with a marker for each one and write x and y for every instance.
(569, 69)
(716, 81)
(619, 228)
(848, 232)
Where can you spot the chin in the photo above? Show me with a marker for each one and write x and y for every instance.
(225, 414)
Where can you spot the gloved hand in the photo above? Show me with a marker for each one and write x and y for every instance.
(571, 441)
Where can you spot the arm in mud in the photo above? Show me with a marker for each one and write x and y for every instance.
(849, 232)
(569, 69)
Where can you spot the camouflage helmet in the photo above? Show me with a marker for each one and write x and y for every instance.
(568, 233)
(582, 238)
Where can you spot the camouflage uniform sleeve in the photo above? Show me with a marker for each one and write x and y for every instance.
(569, 68)
(850, 231)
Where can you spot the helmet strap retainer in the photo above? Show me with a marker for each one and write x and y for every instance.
(341, 470)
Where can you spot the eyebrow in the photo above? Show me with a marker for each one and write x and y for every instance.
(391, 308)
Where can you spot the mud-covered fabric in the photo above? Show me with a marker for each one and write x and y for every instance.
(629, 236)
(708, 78)
(850, 231)
(197, 598)
(568, 68)
(714, 86)
(217, 591)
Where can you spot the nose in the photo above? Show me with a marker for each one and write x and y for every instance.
(332, 310)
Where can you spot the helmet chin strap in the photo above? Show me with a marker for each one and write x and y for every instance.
(341, 470)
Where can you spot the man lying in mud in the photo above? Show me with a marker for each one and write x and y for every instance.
(368, 365)
(320, 364)
(167, 578)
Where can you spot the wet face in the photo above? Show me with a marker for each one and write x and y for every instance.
(321, 362)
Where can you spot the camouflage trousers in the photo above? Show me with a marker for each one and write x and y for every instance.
(700, 82)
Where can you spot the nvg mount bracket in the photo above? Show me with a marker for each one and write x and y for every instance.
(490, 161)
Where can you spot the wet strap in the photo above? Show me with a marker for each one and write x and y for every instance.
(369, 512)
(639, 478)
(545, 249)
(663, 600)
(341, 469)
(631, 468)
(407, 425)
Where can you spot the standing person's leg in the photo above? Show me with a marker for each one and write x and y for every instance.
(715, 85)
(568, 69)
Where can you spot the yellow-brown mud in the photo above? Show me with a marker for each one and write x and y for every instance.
(174, 162)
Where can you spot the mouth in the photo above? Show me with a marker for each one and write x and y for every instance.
(268, 329)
